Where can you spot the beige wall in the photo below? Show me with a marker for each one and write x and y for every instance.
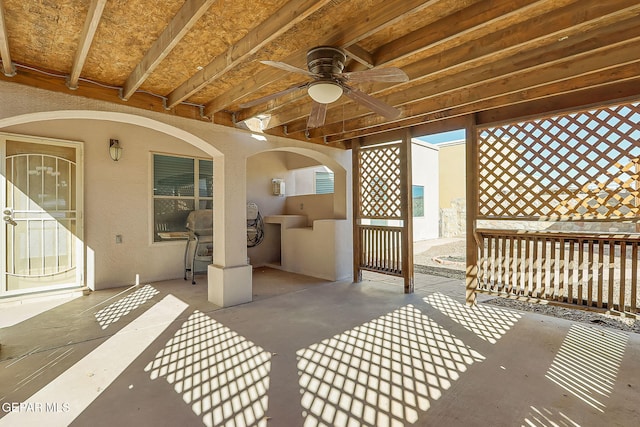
(425, 159)
(452, 174)
(313, 206)
(261, 169)
(117, 195)
(117, 199)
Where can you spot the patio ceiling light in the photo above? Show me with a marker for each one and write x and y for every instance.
(324, 91)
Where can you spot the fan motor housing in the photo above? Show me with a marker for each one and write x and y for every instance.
(326, 60)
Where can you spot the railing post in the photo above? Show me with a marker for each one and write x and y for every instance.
(406, 201)
(355, 179)
(471, 278)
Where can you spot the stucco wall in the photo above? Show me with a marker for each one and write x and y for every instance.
(117, 199)
(425, 173)
(117, 195)
(452, 167)
(261, 168)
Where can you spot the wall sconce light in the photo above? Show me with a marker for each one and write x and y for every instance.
(115, 150)
(277, 186)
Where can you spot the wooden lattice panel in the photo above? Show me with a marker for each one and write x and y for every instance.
(380, 182)
(578, 166)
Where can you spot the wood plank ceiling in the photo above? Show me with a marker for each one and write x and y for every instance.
(201, 58)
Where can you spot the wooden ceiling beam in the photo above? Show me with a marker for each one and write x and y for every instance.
(472, 100)
(468, 24)
(480, 17)
(94, 15)
(143, 101)
(599, 62)
(8, 68)
(188, 15)
(267, 31)
(387, 14)
(463, 26)
(510, 108)
(301, 137)
(614, 92)
(360, 55)
(488, 46)
(420, 129)
(535, 39)
(274, 105)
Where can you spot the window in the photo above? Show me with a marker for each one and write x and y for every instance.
(180, 185)
(324, 182)
(418, 200)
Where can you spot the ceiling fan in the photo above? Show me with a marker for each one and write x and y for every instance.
(325, 64)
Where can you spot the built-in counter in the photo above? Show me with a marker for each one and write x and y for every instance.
(313, 251)
(287, 221)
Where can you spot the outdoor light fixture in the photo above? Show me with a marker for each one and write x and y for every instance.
(115, 150)
(277, 186)
(324, 91)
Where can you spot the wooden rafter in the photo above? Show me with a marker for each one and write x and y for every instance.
(492, 60)
(285, 18)
(466, 25)
(569, 93)
(502, 51)
(561, 101)
(382, 17)
(524, 84)
(86, 38)
(511, 107)
(182, 22)
(7, 66)
(360, 55)
(477, 22)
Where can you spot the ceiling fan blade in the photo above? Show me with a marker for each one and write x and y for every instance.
(390, 74)
(371, 103)
(317, 116)
(290, 68)
(267, 98)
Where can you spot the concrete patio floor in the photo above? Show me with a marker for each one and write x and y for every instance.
(307, 353)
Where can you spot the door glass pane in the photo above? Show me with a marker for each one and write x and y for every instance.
(34, 188)
(17, 183)
(65, 244)
(40, 188)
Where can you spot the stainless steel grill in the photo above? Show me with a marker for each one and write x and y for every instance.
(199, 246)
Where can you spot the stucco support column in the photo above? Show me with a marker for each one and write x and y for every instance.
(229, 276)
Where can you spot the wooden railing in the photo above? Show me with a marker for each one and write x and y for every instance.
(597, 271)
(381, 249)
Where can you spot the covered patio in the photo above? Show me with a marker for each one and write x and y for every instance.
(329, 354)
(120, 118)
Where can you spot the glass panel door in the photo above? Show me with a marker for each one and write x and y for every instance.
(43, 241)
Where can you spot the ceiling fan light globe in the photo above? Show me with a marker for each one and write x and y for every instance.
(324, 92)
